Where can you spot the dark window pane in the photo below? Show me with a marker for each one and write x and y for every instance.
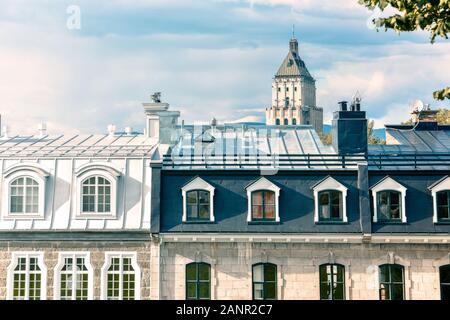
(382, 198)
(203, 197)
(325, 292)
(445, 292)
(191, 292)
(203, 271)
(443, 212)
(335, 212)
(270, 272)
(324, 198)
(338, 291)
(204, 211)
(270, 290)
(204, 290)
(191, 272)
(395, 198)
(395, 212)
(335, 197)
(384, 273)
(444, 272)
(442, 198)
(323, 273)
(192, 197)
(340, 274)
(397, 292)
(397, 274)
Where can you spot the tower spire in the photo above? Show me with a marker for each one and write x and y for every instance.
(293, 31)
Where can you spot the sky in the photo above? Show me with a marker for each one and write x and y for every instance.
(81, 65)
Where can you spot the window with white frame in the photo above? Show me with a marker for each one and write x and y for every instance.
(96, 195)
(25, 196)
(263, 201)
(74, 277)
(330, 201)
(97, 191)
(389, 198)
(198, 201)
(27, 277)
(440, 192)
(121, 277)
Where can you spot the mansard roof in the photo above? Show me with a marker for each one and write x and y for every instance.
(293, 66)
(78, 145)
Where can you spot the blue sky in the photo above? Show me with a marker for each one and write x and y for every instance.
(210, 58)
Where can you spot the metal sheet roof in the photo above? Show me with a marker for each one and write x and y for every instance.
(87, 146)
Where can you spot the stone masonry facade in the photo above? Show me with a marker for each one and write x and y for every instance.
(97, 249)
(298, 268)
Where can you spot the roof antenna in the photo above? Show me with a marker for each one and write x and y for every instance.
(293, 31)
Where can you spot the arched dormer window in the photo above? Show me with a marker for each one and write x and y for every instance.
(198, 201)
(25, 196)
(440, 191)
(97, 185)
(263, 206)
(330, 199)
(389, 199)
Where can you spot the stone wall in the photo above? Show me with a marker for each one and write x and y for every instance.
(298, 267)
(97, 251)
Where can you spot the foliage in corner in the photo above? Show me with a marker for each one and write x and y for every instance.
(429, 15)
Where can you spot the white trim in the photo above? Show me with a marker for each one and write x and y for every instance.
(104, 273)
(263, 184)
(24, 171)
(330, 184)
(57, 273)
(386, 184)
(441, 186)
(105, 171)
(198, 184)
(10, 273)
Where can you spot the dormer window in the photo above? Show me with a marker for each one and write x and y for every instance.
(330, 205)
(330, 198)
(97, 191)
(263, 201)
(263, 205)
(389, 199)
(24, 193)
(440, 191)
(96, 195)
(25, 197)
(198, 201)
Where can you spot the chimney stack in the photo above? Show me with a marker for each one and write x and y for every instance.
(42, 128)
(111, 130)
(349, 129)
(160, 121)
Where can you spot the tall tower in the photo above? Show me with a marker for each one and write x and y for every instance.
(294, 93)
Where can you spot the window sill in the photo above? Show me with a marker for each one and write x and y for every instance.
(331, 222)
(442, 223)
(263, 222)
(24, 216)
(390, 222)
(198, 222)
(95, 216)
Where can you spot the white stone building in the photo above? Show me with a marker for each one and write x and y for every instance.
(294, 94)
